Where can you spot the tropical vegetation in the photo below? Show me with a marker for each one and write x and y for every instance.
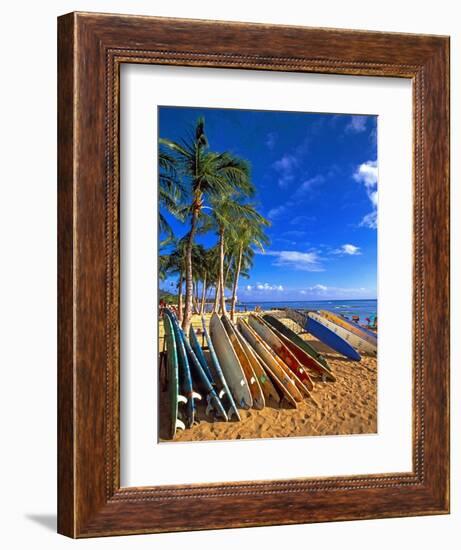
(207, 191)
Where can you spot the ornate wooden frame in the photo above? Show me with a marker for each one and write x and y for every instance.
(91, 48)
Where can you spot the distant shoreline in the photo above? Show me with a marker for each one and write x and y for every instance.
(308, 301)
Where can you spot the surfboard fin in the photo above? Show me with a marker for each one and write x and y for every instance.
(244, 404)
(196, 395)
(209, 407)
(181, 398)
(214, 405)
(233, 411)
(258, 403)
(180, 424)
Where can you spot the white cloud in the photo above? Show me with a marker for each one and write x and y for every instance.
(357, 124)
(290, 164)
(285, 168)
(370, 220)
(286, 176)
(332, 292)
(274, 291)
(348, 249)
(373, 196)
(264, 287)
(286, 163)
(306, 186)
(303, 261)
(351, 249)
(367, 174)
(271, 140)
(277, 212)
(302, 220)
(320, 288)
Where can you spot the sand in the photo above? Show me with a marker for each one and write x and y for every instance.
(347, 406)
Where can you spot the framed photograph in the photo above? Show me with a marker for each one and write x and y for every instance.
(253, 275)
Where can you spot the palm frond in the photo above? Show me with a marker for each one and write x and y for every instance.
(174, 146)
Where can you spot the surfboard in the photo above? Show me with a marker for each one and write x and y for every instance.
(284, 382)
(271, 339)
(354, 328)
(296, 339)
(358, 343)
(268, 388)
(252, 380)
(185, 379)
(330, 338)
(214, 405)
(298, 317)
(220, 382)
(172, 377)
(303, 357)
(230, 364)
(199, 353)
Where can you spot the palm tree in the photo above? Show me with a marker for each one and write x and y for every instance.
(209, 268)
(232, 216)
(170, 193)
(175, 264)
(198, 270)
(248, 233)
(163, 266)
(209, 175)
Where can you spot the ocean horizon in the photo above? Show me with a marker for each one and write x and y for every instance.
(362, 308)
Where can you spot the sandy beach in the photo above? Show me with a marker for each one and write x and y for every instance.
(347, 406)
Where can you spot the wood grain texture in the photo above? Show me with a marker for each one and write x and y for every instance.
(91, 49)
(66, 471)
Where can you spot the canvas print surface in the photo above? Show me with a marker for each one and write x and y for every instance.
(267, 277)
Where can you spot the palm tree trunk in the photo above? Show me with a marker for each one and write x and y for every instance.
(194, 297)
(236, 280)
(216, 297)
(180, 305)
(189, 275)
(221, 272)
(204, 289)
(229, 265)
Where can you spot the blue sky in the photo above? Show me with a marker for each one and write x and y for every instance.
(316, 179)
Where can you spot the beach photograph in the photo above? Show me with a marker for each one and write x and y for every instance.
(267, 274)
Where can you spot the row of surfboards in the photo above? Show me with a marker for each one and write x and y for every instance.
(341, 335)
(255, 362)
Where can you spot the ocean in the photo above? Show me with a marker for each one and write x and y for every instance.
(363, 308)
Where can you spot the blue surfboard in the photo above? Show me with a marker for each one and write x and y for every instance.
(185, 379)
(199, 353)
(332, 340)
(172, 377)
(201, 379)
